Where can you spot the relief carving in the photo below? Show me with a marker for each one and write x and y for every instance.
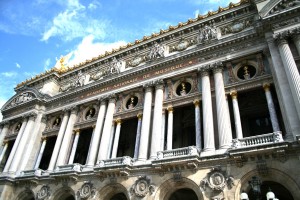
(78, 81)
(206, 34)
(142, 187)
(43, 193)
(86, 191)
(157, 51)
(22, 98)
(235, 27)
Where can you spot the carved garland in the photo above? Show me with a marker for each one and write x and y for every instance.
(142, 187)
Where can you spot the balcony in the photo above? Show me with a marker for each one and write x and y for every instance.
(114, 162)
(180, 152)
(257, 140)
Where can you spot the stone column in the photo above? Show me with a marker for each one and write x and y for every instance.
(225, 134)
(163, 127)
(59, 140)
(66, 143)
(208, 126)
(144, 141)
(74, 147)
(157, 120)
(5, 145)
(22, 144)
(4, 131)
(138, 136)
(104, 144)
(41, 152)
(296, 39)
(116, 140)
(170, 128)
(291, 71)
(111, 138)
(283, 90)
(197, 123)
(97, 134)
(16, 144)
(271, 107)
(236, 113)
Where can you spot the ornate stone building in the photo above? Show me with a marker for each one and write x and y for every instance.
(207, 109)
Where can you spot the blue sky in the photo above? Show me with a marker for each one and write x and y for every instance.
(34, 33)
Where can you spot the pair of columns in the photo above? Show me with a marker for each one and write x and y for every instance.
(20, 152)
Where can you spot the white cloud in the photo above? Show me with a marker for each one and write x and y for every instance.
(74, 22)
(88, 49)
(47, 64)
(18, 65)
(9, 74)
(94, 5)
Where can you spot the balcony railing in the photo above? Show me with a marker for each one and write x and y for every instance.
(126, 160)
(258, 140)
(186, 151)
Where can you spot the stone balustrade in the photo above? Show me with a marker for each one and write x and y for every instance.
(257, 140)
(126, 160)
(186, 151)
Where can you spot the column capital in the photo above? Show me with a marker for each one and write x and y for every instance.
(196, 102)
(217, 67)
(233, 94)
(204, 71)
(266, 86)
(170, 109)
(281, 38)
(139, 116)
(102, 100)
(76, 131)
(118, 121)
(44, 138)
(5, 142)
(44, 119)
(30, 115)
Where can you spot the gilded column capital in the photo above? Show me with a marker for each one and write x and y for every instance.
(139, 116)
(94, 125)
(266, 86)
(233, 94)
(196, 102)
(76, 131)
(5, 142)
(118, 121)
(43, 138)
(170, 109)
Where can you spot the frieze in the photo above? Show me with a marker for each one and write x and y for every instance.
(206, 34)
(136, 60)
(284, 5)
(183, 44)
(236, 27)
(78, 81)
(21, 98)
(156, 51)
(285, 23)
(140, 78)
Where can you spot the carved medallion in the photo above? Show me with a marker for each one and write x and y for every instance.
(87, 190)
(217, 180)
(43, 193)
(142, 187)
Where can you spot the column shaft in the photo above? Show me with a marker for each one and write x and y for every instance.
(3, 133)
(197, 124)
(15, 146)
(58, 142)
(97, 135)
(40, 155)
(163, 127)
(66, 143)
(291, 71)
(157, 120)
(116, 140)
(236, 113)
(22, 145)
(74, 147)
(208, 126)
(271, 107)
(111, 139)
(144, 141)
(104, 144)
(170, 129)
(224, 129)
(138, 136)
(3, 151)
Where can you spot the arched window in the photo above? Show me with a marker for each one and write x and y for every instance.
(119, 196)
(185, 193)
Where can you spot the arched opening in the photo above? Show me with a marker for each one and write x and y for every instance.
(279, 190)
(67, 197)
(26, 195)
(184, 193)
(119, 196)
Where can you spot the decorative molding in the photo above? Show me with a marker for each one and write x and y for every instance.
(43, 193)
(142, 187)
(217, 179)
(86, 191)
